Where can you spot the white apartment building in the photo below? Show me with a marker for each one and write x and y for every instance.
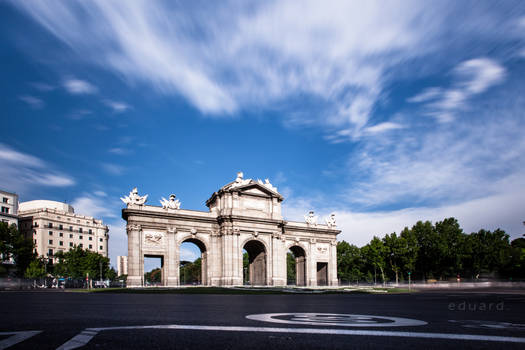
(9, 208)
(55, 227)
(122, 265)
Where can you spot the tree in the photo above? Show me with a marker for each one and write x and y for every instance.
(429, 252)
(36, 269)
(290, 268)
(375, 254)
(14, 245)
(410, 251)
(394, 251)
(349, 262)
(451, 247)
(77, 263)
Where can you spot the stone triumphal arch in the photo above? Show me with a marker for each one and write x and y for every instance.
(243, 215)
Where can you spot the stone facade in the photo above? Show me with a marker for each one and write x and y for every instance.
(244, 214)
(55, 227)
(9, 208)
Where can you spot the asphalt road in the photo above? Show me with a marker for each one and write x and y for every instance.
(139, 321)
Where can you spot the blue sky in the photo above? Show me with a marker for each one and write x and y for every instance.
(384, 113)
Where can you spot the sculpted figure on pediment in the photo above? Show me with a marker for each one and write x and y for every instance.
(330, 221)
(172, 203)
(311, 219)
(133, 198)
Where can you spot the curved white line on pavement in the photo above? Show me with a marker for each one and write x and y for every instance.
(447, 336)
(339, 320)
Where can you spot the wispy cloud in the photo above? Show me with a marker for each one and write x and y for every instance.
(118, 150)
(79, 87)
(266, 55)
(472, 77)
(21, 171)
(94, 206)
(382, 127)
(113, 169)
(33, 102)
(117, 106)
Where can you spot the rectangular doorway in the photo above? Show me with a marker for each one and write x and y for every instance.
(153, 270)
(322, 274)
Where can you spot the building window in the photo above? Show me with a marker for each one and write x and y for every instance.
(51, 233)
(50, 252)
(90, 238)
(90, 232)
(61, 243)
(61, 234)
(34, 241)
(70, 235)
(5, 210)
(70, 228)
(70, 244)
(79, 237)
(100, 239)
(50, 225)
(60, 227)
(80, 230)
(101, 248)
(81, 245)
(90, 246)
(5, 200)
(35, 224)
(50, 241)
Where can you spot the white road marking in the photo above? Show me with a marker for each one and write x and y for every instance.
(341, 320)
(16, 338)
(448, 336)
(78, 340)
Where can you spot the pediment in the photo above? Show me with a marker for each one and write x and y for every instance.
(258, 190)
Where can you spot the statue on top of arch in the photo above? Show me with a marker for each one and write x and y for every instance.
(330, 221)
(133, 198)
(172, 203)
(311, 218)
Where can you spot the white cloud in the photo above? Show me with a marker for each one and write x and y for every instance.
(113, 169)
(383, 127)
(246, 55)
(118, 150)
(472, 77)
(33, 102)
(502, 210)
(117, 106)
(79, 87)
(21, 171)
(93, 206)
(118, 240)
(100, 193)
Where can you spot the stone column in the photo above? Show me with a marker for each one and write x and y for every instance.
(312, 264)
(172, 258)
(135, 259)
(278, 261)
(332, 278)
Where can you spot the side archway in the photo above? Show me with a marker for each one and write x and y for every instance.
(298, 256)
(203, 278)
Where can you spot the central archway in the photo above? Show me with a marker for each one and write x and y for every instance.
(256, 271)
(202, 261)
